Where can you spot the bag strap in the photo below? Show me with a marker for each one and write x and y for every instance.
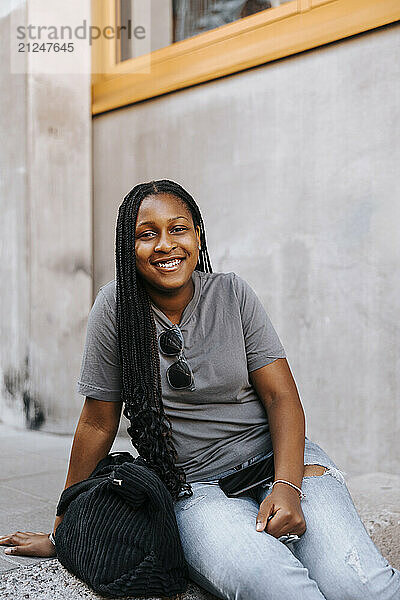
(110, 461)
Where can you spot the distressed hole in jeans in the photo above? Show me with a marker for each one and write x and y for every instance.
(314, 470)
(333, 471)
(353, 560)
(192, 502)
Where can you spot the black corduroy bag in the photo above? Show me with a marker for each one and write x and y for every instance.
(119, 532)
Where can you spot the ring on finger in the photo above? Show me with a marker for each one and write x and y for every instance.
(288, 538)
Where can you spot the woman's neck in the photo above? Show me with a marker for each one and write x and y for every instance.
(173, 302)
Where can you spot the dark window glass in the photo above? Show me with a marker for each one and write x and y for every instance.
(196, 16)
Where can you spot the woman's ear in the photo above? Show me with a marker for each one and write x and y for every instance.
(198, 236)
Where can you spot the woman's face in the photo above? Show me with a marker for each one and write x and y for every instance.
(166, 244)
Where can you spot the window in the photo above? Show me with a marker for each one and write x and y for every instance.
(158, 46)
(176, 20)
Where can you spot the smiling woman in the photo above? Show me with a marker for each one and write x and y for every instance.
(166, 322)
(167, 250)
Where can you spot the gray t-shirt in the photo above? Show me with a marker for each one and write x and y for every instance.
(227, 333)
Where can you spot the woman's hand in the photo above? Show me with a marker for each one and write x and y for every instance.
(28, 543)
(284, 504)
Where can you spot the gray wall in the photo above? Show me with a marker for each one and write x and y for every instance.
(46, 241)
(295, 167)
(14, 307)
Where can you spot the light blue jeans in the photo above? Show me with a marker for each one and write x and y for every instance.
(335, 559)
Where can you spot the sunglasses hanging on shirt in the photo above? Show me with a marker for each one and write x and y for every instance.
(179, 374)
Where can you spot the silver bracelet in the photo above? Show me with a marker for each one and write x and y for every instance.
(301, 493)
(51, 538)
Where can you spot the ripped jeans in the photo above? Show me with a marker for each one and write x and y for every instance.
(335, 559)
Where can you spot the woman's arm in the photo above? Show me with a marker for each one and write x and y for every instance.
(277, 390)
(94, 436)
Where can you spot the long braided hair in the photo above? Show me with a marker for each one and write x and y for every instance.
(150, 428)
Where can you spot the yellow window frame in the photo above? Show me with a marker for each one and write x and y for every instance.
(260, 38)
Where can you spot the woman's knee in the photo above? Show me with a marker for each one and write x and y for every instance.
(354, 579)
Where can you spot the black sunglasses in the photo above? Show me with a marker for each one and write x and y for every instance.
(179, 374)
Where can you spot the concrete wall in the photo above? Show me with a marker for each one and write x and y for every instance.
(295, 167)
(14, 304)
(46, 241)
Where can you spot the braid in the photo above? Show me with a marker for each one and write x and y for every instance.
(150, 428)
